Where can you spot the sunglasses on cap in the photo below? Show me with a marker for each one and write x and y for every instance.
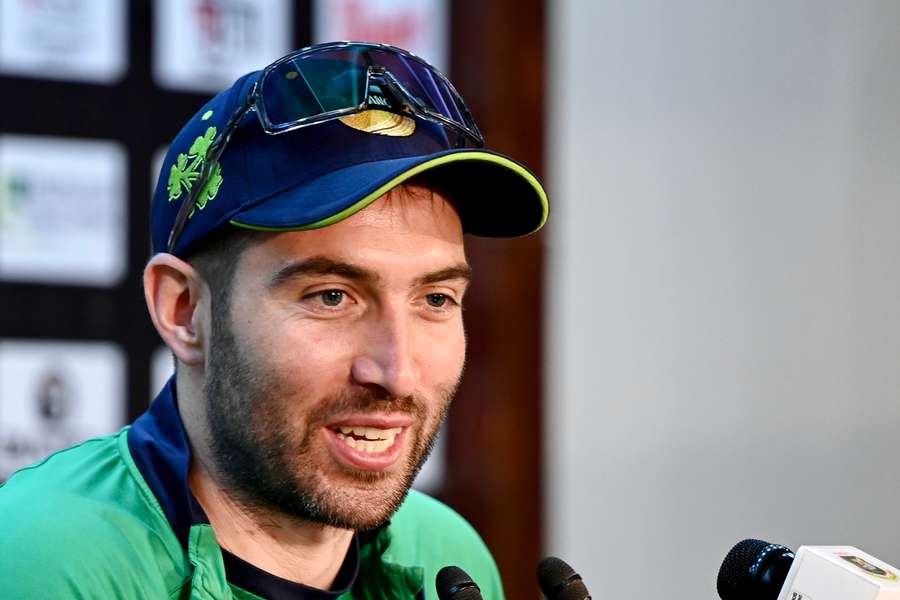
(329, 81)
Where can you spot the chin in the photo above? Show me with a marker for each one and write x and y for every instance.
(364, 501)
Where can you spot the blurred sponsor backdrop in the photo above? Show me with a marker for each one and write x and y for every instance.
(93, 90)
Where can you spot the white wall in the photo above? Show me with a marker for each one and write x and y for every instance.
(724, 291)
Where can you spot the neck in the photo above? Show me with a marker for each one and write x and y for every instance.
(299, 551)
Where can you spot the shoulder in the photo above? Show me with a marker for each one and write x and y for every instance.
(426, 531)
(78, 524)
(420, 510)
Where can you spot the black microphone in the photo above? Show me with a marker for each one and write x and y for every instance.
(559, 581)
(453, 582)
(754, 570)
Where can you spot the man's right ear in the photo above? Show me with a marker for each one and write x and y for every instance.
(173, 290)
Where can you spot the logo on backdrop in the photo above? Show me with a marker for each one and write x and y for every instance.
(63, 39)
(227, 26)
(53, 402)
(204, 45)
(419, 26)
(55, 393)
(62, 210)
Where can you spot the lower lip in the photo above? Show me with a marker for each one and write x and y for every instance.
(369, 461)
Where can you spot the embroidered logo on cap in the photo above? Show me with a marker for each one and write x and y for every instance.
(187, 169)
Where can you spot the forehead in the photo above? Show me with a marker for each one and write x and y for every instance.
(406, 210)
(410, 226)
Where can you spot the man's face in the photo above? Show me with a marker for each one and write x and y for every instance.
(330, 375)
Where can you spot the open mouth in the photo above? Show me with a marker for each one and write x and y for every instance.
(370, 440)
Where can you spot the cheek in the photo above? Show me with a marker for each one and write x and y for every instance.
(441, 354)
(304, 356)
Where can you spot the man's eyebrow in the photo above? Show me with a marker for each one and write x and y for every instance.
(460, 271)
(320, 265)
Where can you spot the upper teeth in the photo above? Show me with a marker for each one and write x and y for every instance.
(372, 433)
(376, 440)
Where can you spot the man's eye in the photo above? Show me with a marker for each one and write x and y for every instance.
(436, 300)
(331, 297)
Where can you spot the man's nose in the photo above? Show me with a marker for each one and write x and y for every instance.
(386, 356)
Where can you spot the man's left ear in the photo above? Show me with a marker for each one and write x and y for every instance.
(174, 290)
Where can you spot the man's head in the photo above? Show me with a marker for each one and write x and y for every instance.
(317, 357)
(327, 358)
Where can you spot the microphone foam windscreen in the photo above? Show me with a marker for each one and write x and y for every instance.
(737, 566)
(453, 582)
(559, 581)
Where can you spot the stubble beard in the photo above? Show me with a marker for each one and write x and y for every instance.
(269, 468)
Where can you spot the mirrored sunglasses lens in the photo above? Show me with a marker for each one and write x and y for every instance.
(315, 84)
(454, 105)
(422, 83)
(335, 79)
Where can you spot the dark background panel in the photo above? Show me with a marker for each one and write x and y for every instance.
(495, 434)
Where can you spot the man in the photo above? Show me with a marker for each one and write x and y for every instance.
(308, 274)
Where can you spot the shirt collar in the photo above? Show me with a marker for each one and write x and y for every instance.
(160, 449)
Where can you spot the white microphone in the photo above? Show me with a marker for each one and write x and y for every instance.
(839, 573)
(759, 570)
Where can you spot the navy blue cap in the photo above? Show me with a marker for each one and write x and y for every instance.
(317, 175)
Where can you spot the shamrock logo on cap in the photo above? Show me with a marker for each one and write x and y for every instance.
(187, 169)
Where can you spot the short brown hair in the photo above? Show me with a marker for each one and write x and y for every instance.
(216, 259)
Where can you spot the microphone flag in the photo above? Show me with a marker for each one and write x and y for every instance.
(839, 573)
